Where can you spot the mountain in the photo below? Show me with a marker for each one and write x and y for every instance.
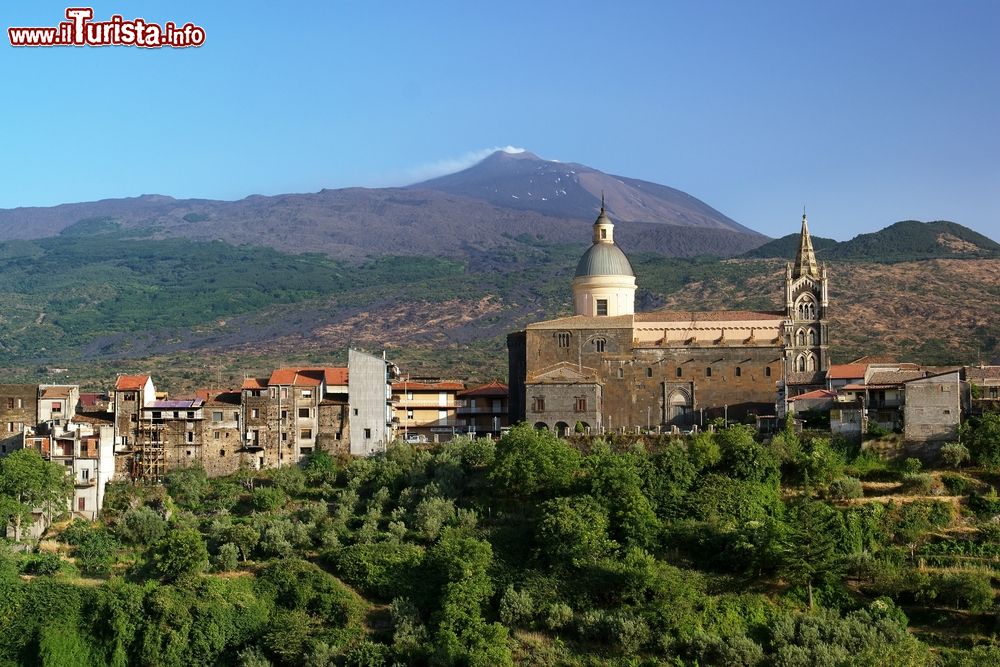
(524, 181)
(903, 241)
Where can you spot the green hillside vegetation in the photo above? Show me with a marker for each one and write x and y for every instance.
(710, 550)
(903, 241)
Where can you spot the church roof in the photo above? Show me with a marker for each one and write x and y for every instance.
(604, 259)
(708, 316)
(805, 259)
(584, 322)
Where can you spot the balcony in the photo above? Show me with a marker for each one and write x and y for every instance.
(84, 483)
(475, 410)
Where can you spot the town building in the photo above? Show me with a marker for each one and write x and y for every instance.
(426, 409)
(482, 410)
(608, 368)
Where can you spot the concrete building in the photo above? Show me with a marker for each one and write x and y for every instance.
(426, 409)
(18, 411)
(609, 368)
(934, 407)
(370, 395)
(482, 410)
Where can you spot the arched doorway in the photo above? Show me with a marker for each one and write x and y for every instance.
(562, 429)
(541, 426)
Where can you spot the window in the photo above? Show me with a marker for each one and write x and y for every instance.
(304, 413)
(190, 436)
(222, 452)
(85, 474)
(274, 392)
(602, 307)
(188, 452)
(217, 435)
(368, 434)
(581, 404)
(409, 413)
(307, 393)
(409, 395)
(57, 406)
(305, 434)
(284, 415)
(284, 392)
(649, 372)
(767, 371)
(156, 415)
(994, 392)
(604, 233)
(355, 412)
(563, 338)
(739, 371)
(621, 372)
(236, 416)
(538, 404)
(708, 372)
(190, 415)
(284, 436)
(10, 403)
(127, 396)
(254, 413)
(812, 336)
(600, 344)
(679, 372)
(217, 416)
(81, 504)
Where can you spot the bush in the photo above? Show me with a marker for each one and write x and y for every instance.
(558, 616)
(845, 488)
(516, 608)
(921, 484)
(911, 465)
(42, 564)
(228, 557)
(180, 554)
(141, 526)
(965, 590)
(954, 454)
(957, 485)
(95, 552)
(268, 498)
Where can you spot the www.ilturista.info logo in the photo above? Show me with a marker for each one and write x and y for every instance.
(81, 30)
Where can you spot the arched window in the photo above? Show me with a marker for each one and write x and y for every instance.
(679, 372)
(600, 344)
(621, 372)
(563, 338)
(708, 372)
(767, 371)
(800, 338)
(811, 362)
(800, 363)
(739, 371)
(812, 337)
(649, 372)
(806, 308)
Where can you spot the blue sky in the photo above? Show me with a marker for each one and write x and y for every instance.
(864, 112)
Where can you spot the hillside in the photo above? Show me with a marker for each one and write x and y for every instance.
(210, 312)
(903, 241)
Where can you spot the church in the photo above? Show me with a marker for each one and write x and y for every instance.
(608, 368)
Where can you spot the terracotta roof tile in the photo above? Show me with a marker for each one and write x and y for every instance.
(846, 371)
(254, 383)
(816, 394)
(708, 315)
(494, 388)
(56, 392)
(131, 382)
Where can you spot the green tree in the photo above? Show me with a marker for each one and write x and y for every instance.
(182, 553)
(808, 548)
(573, 531)
(530, 462)
(29, 482)
(982, 437)
(188, 486)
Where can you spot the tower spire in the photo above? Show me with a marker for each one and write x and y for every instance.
(805, 259)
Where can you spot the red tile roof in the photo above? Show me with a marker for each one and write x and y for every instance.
(56, 392)
(131, 382)
(309, 376)
(254, 383)
(846, 371)
(444, 385)
(494, 388)
(90, 399)
(707, 316)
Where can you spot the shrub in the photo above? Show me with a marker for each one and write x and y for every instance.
(141, 526)
(985, 505)
(516, 608)
(95, 552)
(911, 465)
(180, 554)
(558, 615)
(966, 590)
(228, 557)
(431, 515)
(268, 498)
(845, 488)
(921, 484)
(42, 564)
(954, 454)
(957, 485)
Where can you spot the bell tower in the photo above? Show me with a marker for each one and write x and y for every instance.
(806, 306)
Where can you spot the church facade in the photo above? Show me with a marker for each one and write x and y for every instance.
(608, 368)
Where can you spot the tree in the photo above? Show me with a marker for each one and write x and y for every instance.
(530, 462)
(573, 531)
(188, 486)
(180, 554)
(29, 482)
(245, 537)
(808, 549)
(982, 437)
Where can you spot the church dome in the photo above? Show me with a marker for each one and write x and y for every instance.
(604, 259)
